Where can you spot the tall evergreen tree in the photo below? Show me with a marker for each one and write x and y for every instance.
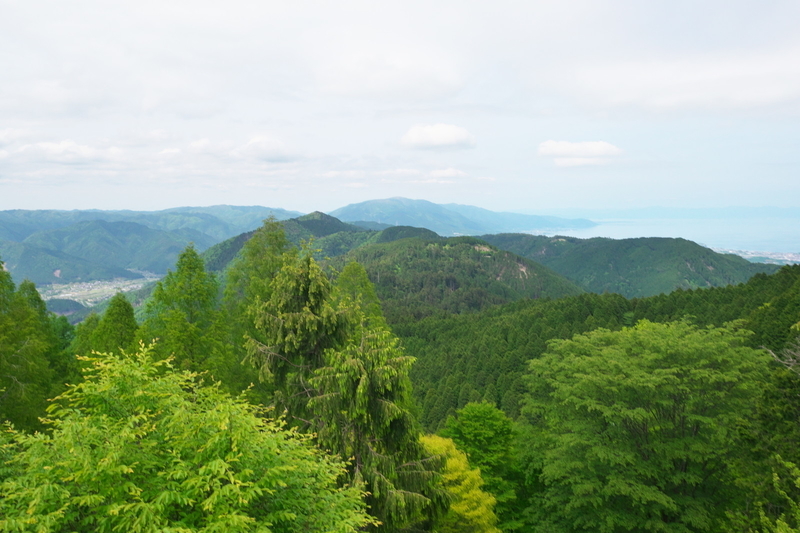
(340, 373)
(25, 374)
(183, 314)
(295, 326)
(116, 330)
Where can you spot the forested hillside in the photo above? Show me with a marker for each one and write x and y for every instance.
(632, 267)
(416, 277)
(483, 356)
(411, 383)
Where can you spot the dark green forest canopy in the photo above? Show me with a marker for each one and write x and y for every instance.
(483, 355)
(632, 267)
(415, 277)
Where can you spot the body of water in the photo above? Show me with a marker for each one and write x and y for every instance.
(776, 235)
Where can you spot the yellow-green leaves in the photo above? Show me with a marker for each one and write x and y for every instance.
(140, 448)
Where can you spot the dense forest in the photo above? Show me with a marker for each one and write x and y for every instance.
(322, 376)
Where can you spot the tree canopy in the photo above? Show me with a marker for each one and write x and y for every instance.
(138, 447)
(636, 429)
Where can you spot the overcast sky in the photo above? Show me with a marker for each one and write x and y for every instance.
(314, 105)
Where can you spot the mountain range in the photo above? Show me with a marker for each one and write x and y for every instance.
(66, 246)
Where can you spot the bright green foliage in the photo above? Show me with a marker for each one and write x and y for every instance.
(183, 313)
(249, 277)
(635, 429)
(786, 486)
(360, 408)
(353, 283)
(117, 329)
(26, 344)
(139, 448)
(470, 507)
(487, 436)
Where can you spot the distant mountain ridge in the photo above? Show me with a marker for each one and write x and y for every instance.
(639, 267)
(450, 219)
(219, 221)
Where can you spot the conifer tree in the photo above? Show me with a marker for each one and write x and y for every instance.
(339, 372)
(116, 330)
(183, 313)
(25, 374)
(295, 326)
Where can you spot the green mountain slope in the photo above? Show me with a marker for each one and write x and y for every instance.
(42, 266)
(415, 277)
(330, 235)
(632, 267)
(116, 244)
(483, 355)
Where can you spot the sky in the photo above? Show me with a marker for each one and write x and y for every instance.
(522, 106)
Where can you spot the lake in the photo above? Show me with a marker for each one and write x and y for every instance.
(777, 235)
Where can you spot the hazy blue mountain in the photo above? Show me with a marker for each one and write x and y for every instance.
(42, 266)
(516, 222)
(632, 267)
(450, 219)
(218, 222)
(405, 212)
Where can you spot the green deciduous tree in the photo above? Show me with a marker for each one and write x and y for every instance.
(487, 436)
(634, 430)
(471, 508)
(139, 448)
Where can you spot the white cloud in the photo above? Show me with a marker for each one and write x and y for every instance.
(579, 149)
(405, 73)
(709, 81)
(437, 136)
(432, 180)
(448, 173)
(400, 172)
(11, 135)
(68, 152)
(580, 161)
(267, 149)
(576, 154)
